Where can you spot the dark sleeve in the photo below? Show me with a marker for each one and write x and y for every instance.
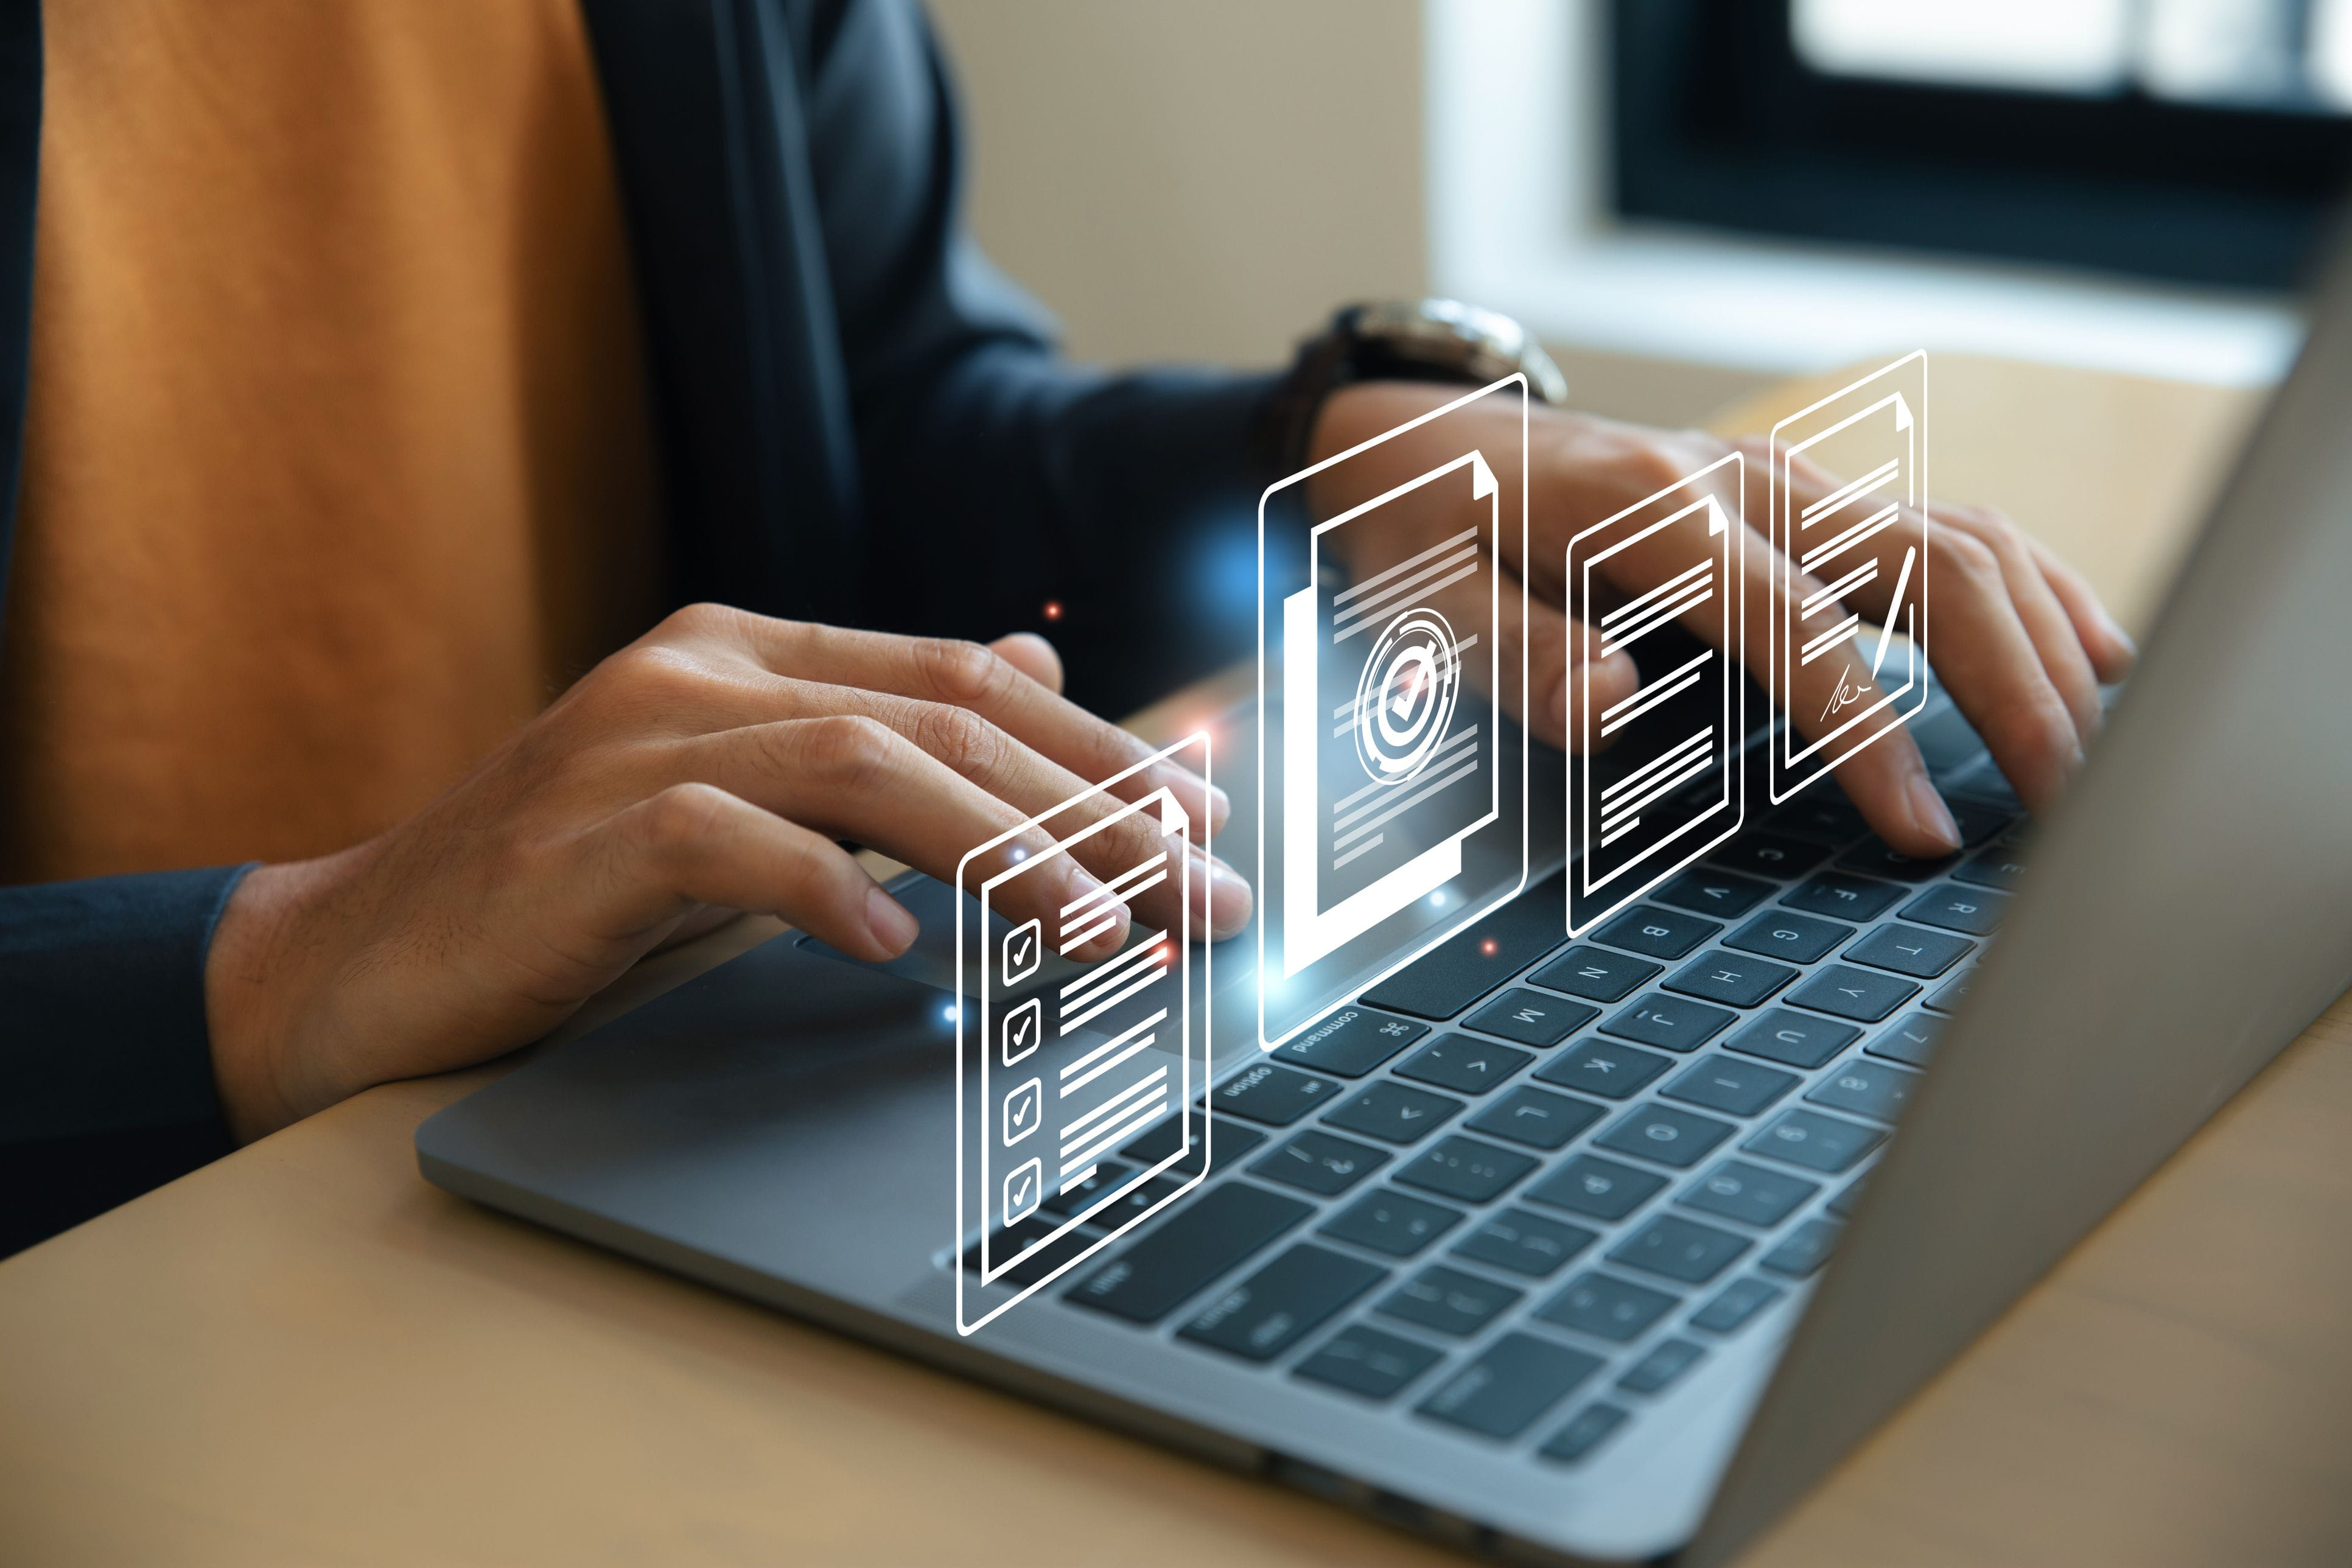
(106, 1078)
(994, 475)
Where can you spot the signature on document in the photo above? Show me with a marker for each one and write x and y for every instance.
(1849, 691)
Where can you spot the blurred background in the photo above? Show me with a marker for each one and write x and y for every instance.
(1685, 198)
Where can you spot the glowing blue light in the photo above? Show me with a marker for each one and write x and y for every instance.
(947, 1013)
(1437, 901)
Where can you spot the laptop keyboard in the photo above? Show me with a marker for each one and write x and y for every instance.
(1525, 1185)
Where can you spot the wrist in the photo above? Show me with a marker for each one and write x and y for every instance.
(261, 981)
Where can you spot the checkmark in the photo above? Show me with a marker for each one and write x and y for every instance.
(1021, 949)
(1024, 1027)
(1022, 1107)
(1023, 1189)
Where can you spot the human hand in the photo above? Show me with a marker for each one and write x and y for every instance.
(706, 769)
(2021, 642)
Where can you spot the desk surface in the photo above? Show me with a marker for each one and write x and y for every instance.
(305, 1353)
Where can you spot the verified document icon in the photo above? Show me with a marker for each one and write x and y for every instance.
(1835, 555)
(1062, 1066)
(1390, 653)
(1655, 779)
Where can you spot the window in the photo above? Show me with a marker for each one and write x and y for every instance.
(2193, 141)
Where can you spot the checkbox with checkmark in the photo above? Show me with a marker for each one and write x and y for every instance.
(1023, 1190)
(1023, 946)
(1024, 1108)
(1024, 1027)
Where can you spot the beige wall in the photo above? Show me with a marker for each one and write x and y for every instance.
(1207, 179)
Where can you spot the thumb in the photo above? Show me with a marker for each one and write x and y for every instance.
(1033, 656)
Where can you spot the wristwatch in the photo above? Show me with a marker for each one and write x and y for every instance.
(1416, 340)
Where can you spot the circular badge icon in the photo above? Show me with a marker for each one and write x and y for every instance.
(1404, 698)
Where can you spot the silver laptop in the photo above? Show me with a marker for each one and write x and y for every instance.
(1644, 1326)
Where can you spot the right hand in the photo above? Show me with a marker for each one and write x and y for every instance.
(706, 769)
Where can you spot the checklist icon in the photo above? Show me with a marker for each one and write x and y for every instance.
(1023, 1109)
(1024, 1027)
(1023, 1189)
(1022, 944)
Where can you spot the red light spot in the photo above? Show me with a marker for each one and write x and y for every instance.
(1052, 609)
(1490, 947)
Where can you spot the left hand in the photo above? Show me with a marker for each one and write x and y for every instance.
(2021, 642)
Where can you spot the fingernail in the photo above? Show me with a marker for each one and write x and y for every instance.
(1930, 815)
(2121, 637)
(1221, 806)
(1606, 680)
(1080, 885)
(893, 928)
(1230, 899)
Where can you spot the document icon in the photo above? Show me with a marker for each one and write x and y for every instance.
(1654, 780)
(1105, 1052)
(1390, 653)
(1871, 679)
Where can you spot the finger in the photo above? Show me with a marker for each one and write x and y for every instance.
(2045, 620)
(693, 844)
(1562, 663)
(1033, 656)
(2110, 647)
(966, 675)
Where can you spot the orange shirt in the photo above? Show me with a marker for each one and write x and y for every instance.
(339, 461)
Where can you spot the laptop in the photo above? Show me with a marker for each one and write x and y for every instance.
(1642, 1329)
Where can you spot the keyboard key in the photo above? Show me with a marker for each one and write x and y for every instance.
(1449, 1301)
(1978, 820)
(1707, 892)
(1368, 1361)
(1988, 783)
(1282, 1303)
(1797, 1039)
(1825, 817)
(1138, 1202)
(1727, 977)
(1867, 1087)
(1537, 1119)
(1872, 857)
(1109, 1174)
(1276, 1096)
(1806, 1249)
(1502, 1393)
(1654, 933)
(1854, 994)
(1668, 1360)
(1393, 1113)
(1392, 1223)
(1602, 1189)
(1032, 1244)
(1464, 1168)
(1953, 992)
(1531, 1017)
(1910, 949)
(1319, 1163)
(1797, 939)
(2000, 868)
(1763, 854)
(1974, 912)
(1467, 966)
(1463, 1062)
(1661, 1132)
(1604, 1067)
(1749, 1193)
(1680, 1249)
(1728, 1083)
(1200, 1241)
(1607, 1308)
(1657, 1019)
(1826, 1143)
(1351, 1042)
(1841, 1206)
(1909, 1040)
(1586, 1430)
(1525, 1243)
(1596, 973)
(1232, 1140)
(1735, 1304)
(1840, 896)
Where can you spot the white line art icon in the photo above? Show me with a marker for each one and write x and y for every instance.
(1105, 1052)
(1654, 780)
(1876, 430)
(1383, 668)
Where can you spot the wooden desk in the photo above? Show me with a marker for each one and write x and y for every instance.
(306, 1354)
